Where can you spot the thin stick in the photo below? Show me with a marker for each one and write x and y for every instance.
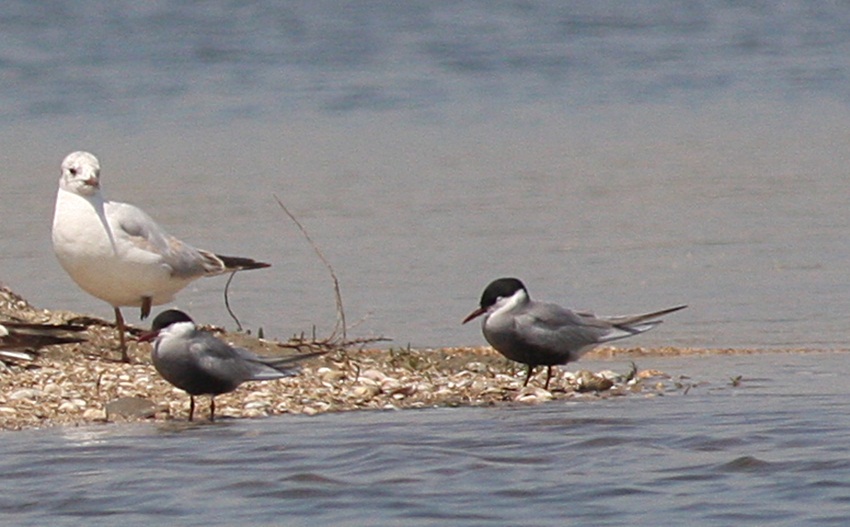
(339, 309)
(227, 301)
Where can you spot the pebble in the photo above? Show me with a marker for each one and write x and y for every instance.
(475, 366)
(364, 392)
(68, 406)
(94, 414)
(374, 375)
(129, 407)
(26, 393)
(53, 389)
(74, 384)
(533, 394)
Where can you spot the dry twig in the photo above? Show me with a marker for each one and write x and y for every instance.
(340, 323)
(227, 301)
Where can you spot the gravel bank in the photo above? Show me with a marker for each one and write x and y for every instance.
(76, 384)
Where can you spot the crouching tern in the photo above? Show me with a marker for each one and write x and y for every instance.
(198, 363)
(18, 338)
(116, 252)
(543, 334)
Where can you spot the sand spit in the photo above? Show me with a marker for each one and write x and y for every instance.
(75, 384)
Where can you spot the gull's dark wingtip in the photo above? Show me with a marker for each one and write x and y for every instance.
(238, 263)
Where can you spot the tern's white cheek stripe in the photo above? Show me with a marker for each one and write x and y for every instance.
(505, 305)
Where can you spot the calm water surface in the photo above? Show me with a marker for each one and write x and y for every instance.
(770, 451)
(617, 158)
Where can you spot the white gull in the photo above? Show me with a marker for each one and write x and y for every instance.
(117, 253)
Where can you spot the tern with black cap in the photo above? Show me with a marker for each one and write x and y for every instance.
(198, 363)
(543, 334)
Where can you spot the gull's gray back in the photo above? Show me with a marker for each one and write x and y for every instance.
(184, 260)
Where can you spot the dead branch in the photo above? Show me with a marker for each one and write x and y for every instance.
(340, 323)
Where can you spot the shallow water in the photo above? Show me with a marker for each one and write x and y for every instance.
(617, 159)
(769, 451)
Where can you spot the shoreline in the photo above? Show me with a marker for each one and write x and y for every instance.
(82, 384)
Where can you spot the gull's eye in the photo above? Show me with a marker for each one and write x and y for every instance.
(73, 171)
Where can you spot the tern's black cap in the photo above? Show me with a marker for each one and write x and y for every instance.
(501, 288)
(166, 318)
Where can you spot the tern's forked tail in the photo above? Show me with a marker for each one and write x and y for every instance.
(628, 320)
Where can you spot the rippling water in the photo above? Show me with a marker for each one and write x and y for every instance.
(616, 157)
(770, 451)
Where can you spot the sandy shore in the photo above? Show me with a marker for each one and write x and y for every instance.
(82, 383)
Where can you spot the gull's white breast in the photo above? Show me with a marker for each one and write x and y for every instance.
(103, 260)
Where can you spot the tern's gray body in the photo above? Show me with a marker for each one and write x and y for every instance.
(116, 252)
(544, 334)
(201, 364)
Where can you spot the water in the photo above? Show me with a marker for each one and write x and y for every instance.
(617, 158)
(768, 451)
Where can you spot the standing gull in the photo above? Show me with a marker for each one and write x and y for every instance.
(543, 334)
(116, 252)
(201, 364)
